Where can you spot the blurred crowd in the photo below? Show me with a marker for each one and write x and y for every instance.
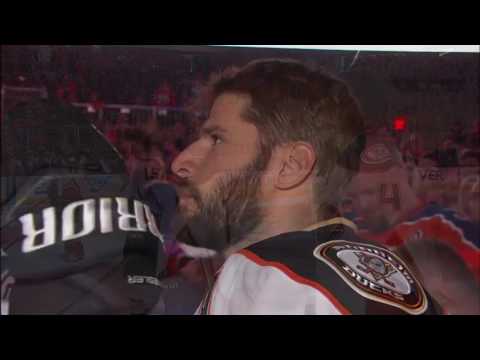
(445, 175)
(445, 179)
(91, 77)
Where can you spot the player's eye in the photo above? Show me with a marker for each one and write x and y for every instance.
(216, 139)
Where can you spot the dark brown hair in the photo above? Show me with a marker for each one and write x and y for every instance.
(290, 102)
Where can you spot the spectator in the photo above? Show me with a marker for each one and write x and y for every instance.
(164, 96)
(180, 135)
(470, 158)
(95, 102)
(457, 133)
(170, 152)
(413, 147)
(155, 166)
(473, 137)
(393, 215)
(197, 86)
(447, 155)
(469, 198)
(139, 99)
(151, 127)
(123, 121)
(67, 90)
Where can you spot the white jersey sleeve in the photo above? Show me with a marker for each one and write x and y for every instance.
(249, 287)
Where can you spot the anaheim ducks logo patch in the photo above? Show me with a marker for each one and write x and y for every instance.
(374, 273)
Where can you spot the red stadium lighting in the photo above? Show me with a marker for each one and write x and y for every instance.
(400, 123)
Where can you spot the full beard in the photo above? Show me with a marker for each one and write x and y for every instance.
(231, 211)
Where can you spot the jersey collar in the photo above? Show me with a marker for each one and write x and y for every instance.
(334, 221)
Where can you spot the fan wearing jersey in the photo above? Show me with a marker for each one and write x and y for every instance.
(390, 213)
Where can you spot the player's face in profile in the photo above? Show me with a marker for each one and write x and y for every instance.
(221, 171)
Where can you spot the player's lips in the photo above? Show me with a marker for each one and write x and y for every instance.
(188, 196)
(181, 186)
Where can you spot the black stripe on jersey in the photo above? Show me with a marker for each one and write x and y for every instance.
(295, 250)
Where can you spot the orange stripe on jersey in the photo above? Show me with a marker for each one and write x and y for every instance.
(297, 278)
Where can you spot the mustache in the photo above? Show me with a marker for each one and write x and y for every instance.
(185, 188)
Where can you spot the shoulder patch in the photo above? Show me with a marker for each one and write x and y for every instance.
(375, 273)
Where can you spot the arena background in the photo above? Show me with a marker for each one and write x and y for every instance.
(140, 98)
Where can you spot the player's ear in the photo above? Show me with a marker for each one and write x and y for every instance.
(297, 163)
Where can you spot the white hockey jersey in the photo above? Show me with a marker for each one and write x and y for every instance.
(321, 270)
